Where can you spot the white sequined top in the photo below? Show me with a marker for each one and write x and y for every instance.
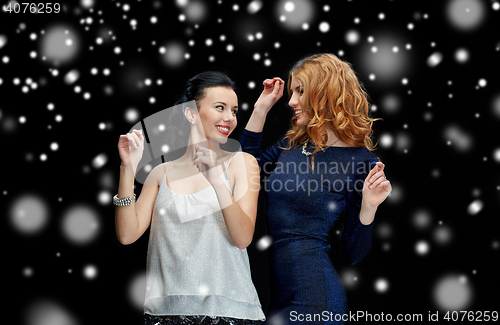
(193, 266)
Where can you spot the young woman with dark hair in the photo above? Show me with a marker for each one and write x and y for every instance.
(201, 209)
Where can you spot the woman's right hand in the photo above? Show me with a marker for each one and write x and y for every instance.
(273, 90)
(130, 148)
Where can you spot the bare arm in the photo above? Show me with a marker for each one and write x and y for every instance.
(257, 120)
(131, 221)
(240, 210)
(273, 90)
(376, 189)
(361, 209)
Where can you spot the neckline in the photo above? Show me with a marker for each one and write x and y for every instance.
(224, 172)
(342, 147)
(327, 147)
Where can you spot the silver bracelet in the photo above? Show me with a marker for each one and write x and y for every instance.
(124, 201)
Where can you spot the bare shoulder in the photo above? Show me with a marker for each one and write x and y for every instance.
(244, 161)
(244, 157)
(156, 174)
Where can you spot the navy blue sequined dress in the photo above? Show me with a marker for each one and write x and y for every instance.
(303, 207)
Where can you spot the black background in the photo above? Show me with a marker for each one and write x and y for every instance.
(431, 175)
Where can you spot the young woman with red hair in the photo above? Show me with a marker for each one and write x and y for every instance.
(331, 135)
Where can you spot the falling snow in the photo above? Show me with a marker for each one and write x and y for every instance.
(71, 83)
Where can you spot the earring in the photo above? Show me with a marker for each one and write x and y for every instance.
(192, 122)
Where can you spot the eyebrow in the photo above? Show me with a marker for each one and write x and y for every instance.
(224, 104)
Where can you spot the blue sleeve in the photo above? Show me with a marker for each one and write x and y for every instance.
(356, 237)
(250, 143)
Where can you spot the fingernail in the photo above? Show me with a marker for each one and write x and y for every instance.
(140, 131)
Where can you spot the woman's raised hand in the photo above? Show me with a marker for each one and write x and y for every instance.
(130, 148)
(376, 187)
(205, 160)
(273, 90)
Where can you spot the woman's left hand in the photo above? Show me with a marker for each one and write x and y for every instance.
(206, 162)
(376, 187)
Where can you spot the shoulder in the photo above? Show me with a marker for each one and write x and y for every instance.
(156, 174)
(366, 160)
(161, 168)
(285, 142)
(242, 157)
(240, 160)
(363, 154)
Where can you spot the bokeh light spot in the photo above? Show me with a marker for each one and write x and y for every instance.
(386, 140)
(3, 40)
(434, 59)
(384, 230)
(457, 137)
(381, 285)
(174, 54)
(349, 278)
(391, 103)
(254, 6)
(99, 160)
(203, 289)
(496, 155)
(462, 55)
(421, 219)
(475, 207)
(28, 214)
(80, 224)
(264, 243)
(137, 290)
(294, 14)
(465, 14)
(422, 247)
(90, 272)
(324, 27)
(388, 66)
(452, 292)
(60, 44)
(47, 312)
(442, 235)
(196, 11)
(352, 37)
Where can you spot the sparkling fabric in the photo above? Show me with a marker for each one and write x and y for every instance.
(193, 266)
(303, 209)
(188, 320)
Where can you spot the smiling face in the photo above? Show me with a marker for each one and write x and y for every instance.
(296, 102)
(217, 112)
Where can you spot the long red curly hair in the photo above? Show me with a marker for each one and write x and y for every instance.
(333, 98)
